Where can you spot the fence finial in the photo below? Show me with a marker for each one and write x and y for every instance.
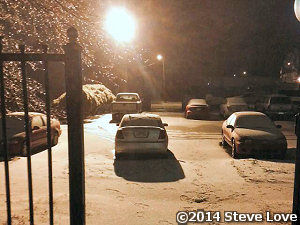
(72, 34)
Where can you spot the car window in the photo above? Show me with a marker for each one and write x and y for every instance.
(127, 98)
(15, 123)
(37, 121)
(230, 119)
(254, 121)
(44, 120)
(142, 122)
(280, 100)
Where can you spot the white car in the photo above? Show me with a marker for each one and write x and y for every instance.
(233, 104)
(141, 133)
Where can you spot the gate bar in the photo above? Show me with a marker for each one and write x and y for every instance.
(4, 138)
(49, 142)
(27, 132)
(73, 76)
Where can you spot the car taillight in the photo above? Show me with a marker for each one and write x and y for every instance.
(162, 134)
(187, 108)
(120, 134)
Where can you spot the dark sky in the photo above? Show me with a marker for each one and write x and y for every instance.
(220, 37)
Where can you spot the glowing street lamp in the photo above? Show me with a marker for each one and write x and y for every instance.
(120, 24)
(245, 73)
(159, 57)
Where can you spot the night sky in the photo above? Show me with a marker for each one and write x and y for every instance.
(218, 38)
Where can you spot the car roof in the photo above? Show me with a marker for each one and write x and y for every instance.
(127, 93)
(249, 113)
(277, 95)
(22, 114)
(141, 116)
(198, 101)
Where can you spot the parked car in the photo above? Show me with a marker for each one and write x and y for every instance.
(251, 133)
(197, 108)
(233, 104)
(125, 103)
(141, 133)
(38, 133)
(251, 98)
(276, 106)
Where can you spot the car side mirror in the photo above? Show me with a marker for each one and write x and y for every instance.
(278, 126)
(165, 124)
(36, 128)
(230, 127)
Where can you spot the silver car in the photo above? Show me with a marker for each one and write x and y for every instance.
(141, 133)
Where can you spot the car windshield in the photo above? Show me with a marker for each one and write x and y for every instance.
(254, 121)
(142, 122)
(280, 100)
(197, 102)
(127, 98)
(236, 101)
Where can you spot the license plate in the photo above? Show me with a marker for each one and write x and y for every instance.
(199, 109)
(280, 113)
(141, 134)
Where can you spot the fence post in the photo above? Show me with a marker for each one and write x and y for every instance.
(73, 79)
(296, 198)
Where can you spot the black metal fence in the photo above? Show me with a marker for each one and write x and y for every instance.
(73, 78)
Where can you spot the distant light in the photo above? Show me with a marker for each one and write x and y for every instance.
(234, 75)
(298, 80)
(208, 84)
(159, 57)
(289, 63)
(244, 72)
(120, 24)
(297, 9)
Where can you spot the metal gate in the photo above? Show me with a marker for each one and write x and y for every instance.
(73, 80)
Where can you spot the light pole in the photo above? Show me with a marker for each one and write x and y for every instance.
(161, 58)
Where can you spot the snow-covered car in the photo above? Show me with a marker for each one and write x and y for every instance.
(141, 133)
(252, 133)
(125, 103)
(276, 106)
(38, 133)
(197, 108)
(233, 104)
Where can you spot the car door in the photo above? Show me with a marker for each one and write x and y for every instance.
(38, 131)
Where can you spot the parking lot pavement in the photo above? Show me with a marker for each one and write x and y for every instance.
(198, 174)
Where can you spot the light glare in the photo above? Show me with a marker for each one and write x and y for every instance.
(159, 57)
(120, 25)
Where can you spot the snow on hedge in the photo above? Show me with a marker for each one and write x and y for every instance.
(96, 98)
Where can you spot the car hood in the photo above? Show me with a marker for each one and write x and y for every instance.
(259, 133)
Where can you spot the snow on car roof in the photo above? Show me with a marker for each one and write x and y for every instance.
(142, 116)
(197, 101)
(249, 113)
(22, 114)
(127, 93)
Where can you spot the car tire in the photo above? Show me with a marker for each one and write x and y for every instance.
(223, 142)
(234, 154)
(55, 139)
(23, 149)
(188, 117)
(282, 155)
(117, 156)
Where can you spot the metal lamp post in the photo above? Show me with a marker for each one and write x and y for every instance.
(161, 58)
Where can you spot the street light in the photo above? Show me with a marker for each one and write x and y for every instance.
(161, 58)
(120, 24)
(245, 73)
